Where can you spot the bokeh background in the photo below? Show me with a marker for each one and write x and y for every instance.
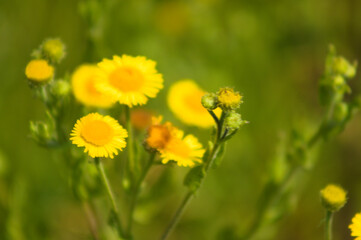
(271, 51)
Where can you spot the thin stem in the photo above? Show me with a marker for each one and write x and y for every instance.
(328, 225)
(130, 146)
(135, 193)
(105, 181)
(188, 197)
(215, 118)
(177, 215)
(91, 220)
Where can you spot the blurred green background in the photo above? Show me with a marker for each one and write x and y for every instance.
(271, 51)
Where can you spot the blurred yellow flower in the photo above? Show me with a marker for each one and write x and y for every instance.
(101, 136)
(159, 134)
(333, 197)
(184, 100)
(356, 226)
(39, 70)
(84, 81)
(130, 80)
(185, 151)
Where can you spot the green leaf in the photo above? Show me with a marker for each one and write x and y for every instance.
(194, 178)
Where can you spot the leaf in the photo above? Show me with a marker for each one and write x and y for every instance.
(194, 178)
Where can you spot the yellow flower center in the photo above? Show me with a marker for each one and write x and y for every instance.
(179, 148)
(126, 79)
(158, 136)
(97, 132)
(90, 87)
(39, 70)
(193, 101)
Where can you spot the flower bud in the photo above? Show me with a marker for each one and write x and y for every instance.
(209, 101)
(53, 49)
(60, 88)
(333, 197)
(38, 70)
(228, 99)
(340, 111)
(343, 67)
(234, 121)
(40, 131)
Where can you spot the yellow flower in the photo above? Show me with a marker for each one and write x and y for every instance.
(39, 70)
(228, 99)
(184, 100)
(130, 80)
(101, 136)
(158, 134)
(356, 226)
(84, 81)
(333, 197)
(185, 151)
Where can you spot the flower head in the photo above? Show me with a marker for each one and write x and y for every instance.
(141, 119)
(130, 80)
(159, 134)
(102, 136)
(355, 226)
(333, 197)
(39, 70)
(185, 151)
(228, 99)
(184, 100)
(84, 81)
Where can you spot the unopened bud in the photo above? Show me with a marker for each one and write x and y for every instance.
(60, 88)
(39, 131)
(343, 67)
(340, 111)
(333, 197)
(209, 101)
(234, 121)
(53, 49)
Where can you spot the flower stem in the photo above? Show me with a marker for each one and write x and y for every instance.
(135, 193)
(189, 196)
(130, 146)
(328, 225)
(105, 181)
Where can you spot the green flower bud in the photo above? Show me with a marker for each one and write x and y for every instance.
(53, 49)
(340, 112)
(40, 131)
(234, 121)
(209, 101)
(333, 197)
(60, 88)
(342, 66)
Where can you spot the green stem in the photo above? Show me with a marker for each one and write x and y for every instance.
(177, 215)
(135, 193)
(328, 225)
(105, 181)
(130, 147)
(189, 196)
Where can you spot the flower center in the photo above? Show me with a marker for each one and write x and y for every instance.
(193, 101)
(90, 87)
(126, 79)
(97, 132)
(158, 136)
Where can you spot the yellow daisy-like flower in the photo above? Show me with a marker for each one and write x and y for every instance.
(159, 134)
(185, 151)
(130, 80)
(39, 70)
(355, 226)
(184, 100)
(101, 136)
(333, 197)
(84, 81)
